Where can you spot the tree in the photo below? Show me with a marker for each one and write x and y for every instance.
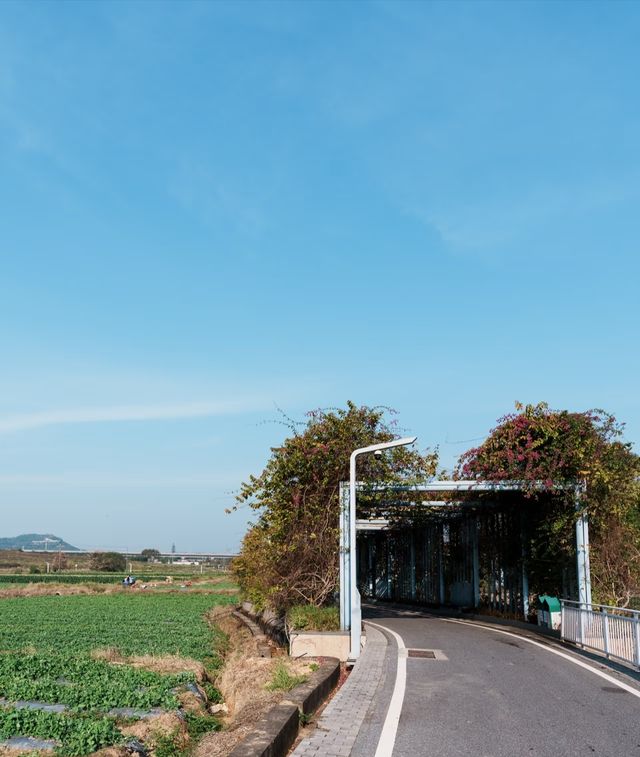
(290, 554)
(112, 562)
(539, 445)
(150, 554)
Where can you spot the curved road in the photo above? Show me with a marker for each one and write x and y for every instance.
(492, 693)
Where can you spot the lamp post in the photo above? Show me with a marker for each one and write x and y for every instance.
(355, 614)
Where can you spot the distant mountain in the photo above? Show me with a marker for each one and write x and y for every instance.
(37, 541)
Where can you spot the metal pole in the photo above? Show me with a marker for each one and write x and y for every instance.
(355, 611)
(582, 553)
(371, 547)
(476, 561)
(441, 563)
(344, 549)
(524, 552)
(412, 564)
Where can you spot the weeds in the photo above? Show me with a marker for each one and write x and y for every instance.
(311, 618)
(282, 680)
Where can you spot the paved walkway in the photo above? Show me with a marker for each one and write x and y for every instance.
(339, 725)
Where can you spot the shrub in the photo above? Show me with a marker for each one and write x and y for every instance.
(311, 618)
(112, 562)
(291, 554)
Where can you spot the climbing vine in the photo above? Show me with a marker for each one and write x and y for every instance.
(290, 554)
(548, 448)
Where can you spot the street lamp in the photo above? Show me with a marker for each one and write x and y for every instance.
(354, 594)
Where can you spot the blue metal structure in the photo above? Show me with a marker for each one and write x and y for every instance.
(463, 552)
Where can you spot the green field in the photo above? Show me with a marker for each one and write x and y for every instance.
(45, 646)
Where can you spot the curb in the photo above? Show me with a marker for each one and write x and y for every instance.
(276, 731)
(262, 645)
(271, 624)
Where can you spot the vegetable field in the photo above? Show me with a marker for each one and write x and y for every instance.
(53, 650)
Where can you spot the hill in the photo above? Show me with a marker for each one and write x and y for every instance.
(36, 541)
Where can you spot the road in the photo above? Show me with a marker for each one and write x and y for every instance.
(493, 693)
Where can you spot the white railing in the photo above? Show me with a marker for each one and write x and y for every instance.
(614, 631)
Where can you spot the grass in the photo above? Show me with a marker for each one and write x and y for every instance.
(311, 618)
(282, 680)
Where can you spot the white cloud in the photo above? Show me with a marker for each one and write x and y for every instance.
(129, 413)
(91, 480)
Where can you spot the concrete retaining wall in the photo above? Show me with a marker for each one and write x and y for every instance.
(276, 731)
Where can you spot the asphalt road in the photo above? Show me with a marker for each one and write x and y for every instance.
(499, 696)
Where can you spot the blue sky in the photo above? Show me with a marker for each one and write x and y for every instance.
(208, 210)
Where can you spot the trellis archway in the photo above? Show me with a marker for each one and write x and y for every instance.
(470, 550)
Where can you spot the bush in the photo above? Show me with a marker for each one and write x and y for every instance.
(112, 562)
(311, 618)
(290, 554)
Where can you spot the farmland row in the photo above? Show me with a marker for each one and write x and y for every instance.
(56, 650)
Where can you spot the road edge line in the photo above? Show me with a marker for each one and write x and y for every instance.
(565, 655)
(387, 739)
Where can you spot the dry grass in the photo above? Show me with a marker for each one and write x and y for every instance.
(144, 730)
(41, 589)
(169, 664)
(243, 681)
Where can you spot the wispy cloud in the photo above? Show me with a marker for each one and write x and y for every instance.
(129, 413)
(91, 480)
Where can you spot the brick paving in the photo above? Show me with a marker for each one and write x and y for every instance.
(340, 723)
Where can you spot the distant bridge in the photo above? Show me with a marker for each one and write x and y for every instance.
(176, 557)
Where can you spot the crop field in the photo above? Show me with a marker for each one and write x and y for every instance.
(101, 578)
(55, 650)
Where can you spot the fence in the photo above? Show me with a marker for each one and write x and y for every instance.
(611, 630)
(468, 558)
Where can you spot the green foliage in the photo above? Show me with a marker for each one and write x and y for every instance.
(82, 683)
(169, 744)
(113, 562)
(290, 555)
(213, 694)
(537, 445)
(198, 725)
(45, 643)
(133, 623)
(77, 735)
(34, 576)
(282, 680)
(150, 554)
(312, 618)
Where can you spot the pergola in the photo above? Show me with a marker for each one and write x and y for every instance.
(350, 604)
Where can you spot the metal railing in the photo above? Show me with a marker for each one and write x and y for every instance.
(614, 631)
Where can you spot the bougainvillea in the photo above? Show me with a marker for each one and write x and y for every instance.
(547, 448)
